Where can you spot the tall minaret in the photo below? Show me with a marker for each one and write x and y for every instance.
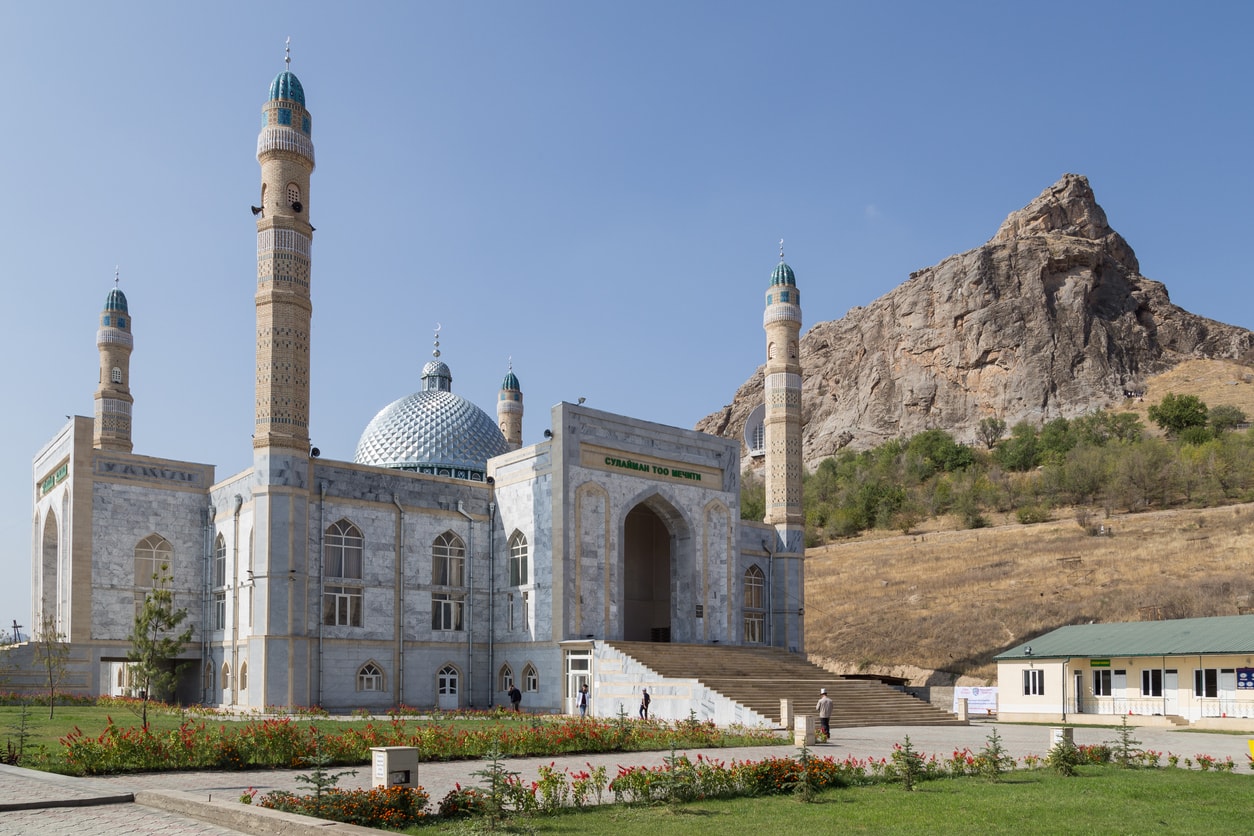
(509, 409)
(284, 237)
(284, 564)
(782, 424)
(112, 429)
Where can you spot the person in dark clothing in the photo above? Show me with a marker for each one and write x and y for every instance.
(644, 703)
(515, 696)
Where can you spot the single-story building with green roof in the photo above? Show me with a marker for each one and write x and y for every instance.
(1194, 671)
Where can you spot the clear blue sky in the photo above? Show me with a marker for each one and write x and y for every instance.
(595, 189)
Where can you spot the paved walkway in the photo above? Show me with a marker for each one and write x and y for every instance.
(39, 803)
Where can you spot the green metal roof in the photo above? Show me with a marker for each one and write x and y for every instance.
(1178, 637)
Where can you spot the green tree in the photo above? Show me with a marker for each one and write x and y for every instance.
(753, 497)
(1176, 413)
(52, 654)
(154, 643)
(1019, 452)
(1055, 440)
(1224, 417)
(990, 431)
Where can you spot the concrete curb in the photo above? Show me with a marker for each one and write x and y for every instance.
(246, 818)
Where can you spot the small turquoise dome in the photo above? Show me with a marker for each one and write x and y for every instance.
(782, 274)
(115, 301)
(510, 383)
(287, 86)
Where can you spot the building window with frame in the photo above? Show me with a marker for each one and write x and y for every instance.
(370, 677)
(1152, 682)
(526, 606)
(518, 574)
(219, 561)
(531, 679)
(219, 610)
(1206, 683)
(342, 606)
(115, 375)
(505, 678)
(226, 679)
(243, 676)
(153, 555)
(342, 551)
(1034, 682)
(208, 684)
(755, 612)
(448, 560)
(446, 611)
(509, 610)
(1102, 683)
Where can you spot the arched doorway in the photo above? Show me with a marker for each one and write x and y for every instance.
(646, 577)
(50, 611)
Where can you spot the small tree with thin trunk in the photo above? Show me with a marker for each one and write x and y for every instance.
(154, 643)
(52, 654)
(990, 431)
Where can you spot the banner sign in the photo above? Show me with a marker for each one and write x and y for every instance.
(980, 700)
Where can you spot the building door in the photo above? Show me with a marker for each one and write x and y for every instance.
(1171, 692)
(1079, 692)
(578, 674)
(446, 687)
(646, 577)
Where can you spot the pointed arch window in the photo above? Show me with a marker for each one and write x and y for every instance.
(226, 679)
(208, 683)
(518, 559)
(505, 678)
(448, 560)
(370, 677)
(755, 610)
(342, 551)
(153, 555)
(531, 679)
(243, 675)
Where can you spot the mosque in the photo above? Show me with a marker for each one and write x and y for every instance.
(447, 561)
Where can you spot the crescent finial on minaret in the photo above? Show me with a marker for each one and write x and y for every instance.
(781, 249)
(436, 352)
(287, 54)
(116, 271)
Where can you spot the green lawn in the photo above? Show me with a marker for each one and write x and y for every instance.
(1100, 800)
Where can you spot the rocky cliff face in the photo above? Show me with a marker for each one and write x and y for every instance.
(1050, 318)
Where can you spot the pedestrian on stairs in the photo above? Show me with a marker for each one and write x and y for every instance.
(644, 703)
(824, 709)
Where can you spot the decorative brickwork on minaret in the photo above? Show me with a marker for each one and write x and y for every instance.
(284, 237)
(112, 430)
(782, 321)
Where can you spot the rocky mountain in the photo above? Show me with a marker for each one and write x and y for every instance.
(1050, 318)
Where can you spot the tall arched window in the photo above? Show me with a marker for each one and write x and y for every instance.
(531, 679)
(153, 557)
(243, 675)
(448, 569)
(755, 611)
(293, 195)
(219, 583)
(208, 684)
(518, 559)
(505, 678)
(343, 547)
(226, 680)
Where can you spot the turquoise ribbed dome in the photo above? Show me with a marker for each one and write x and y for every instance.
(287, 86)
(782, 274)
(115, 301)
(510, 383)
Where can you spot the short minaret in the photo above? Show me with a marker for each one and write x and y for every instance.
(782, 432)
(509, 409)
(113, 395)
(284, 239)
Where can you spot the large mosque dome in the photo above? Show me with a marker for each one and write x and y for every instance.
(432, 431)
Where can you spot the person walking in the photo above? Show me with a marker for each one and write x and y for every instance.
(644, 703)
(582, 700)
(515, 697)
(824, 709)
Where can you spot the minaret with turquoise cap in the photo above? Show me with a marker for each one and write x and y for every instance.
(283, 561)
(509, 409)
(112, 426)
(782, 425)
(284, 239)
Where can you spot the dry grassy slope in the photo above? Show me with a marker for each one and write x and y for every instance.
(951, 600)
(1216, 382)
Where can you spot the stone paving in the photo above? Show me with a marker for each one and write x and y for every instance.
(55, 797)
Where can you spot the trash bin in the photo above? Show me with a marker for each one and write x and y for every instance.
(394, 766)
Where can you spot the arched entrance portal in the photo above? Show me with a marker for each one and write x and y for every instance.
(646, 577)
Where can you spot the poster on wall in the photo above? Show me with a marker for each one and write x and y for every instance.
(1245, 679)
(980, 700)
